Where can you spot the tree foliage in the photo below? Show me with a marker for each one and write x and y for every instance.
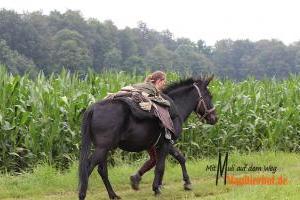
(16, 63)
(34, 41)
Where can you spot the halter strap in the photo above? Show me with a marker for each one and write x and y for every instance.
(201, 101)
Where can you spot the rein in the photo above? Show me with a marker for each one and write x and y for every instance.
(202, 102)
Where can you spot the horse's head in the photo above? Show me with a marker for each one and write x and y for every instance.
(191, 95)
(204, 108)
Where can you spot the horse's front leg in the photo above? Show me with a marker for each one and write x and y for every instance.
(162, 153)
(181, 159)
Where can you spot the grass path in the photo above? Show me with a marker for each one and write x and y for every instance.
(46, 183)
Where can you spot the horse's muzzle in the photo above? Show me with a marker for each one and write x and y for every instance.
(212, 119)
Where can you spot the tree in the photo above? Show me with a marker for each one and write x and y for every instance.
(271, 59)
(16, 63)
(67, 39)
(147, 38)
(113, 59)
(166, 38)
(160, 58)
(188, 60)
(203, 48)
(222, 58)
(40, 23)
(127, 44)
(70, 51)
(134, 63)
(293, 52)
(19, 34)
(186, 42)
(73, 20)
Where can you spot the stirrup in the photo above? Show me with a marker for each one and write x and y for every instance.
(168, 136)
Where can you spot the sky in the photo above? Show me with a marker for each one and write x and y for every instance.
(209, 20)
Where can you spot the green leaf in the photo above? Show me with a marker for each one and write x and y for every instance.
(65, 100)
(7, 126)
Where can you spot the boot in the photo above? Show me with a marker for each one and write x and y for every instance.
(135, 181)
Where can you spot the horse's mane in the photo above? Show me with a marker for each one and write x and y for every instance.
(183, 82)
(178, 84)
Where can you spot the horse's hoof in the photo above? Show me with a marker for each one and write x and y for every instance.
(187, 186)
(160, 187)
(81, 196)
(116, 197)
(135, 181)
(157, 192)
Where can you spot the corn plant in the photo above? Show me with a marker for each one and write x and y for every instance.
(40, 117)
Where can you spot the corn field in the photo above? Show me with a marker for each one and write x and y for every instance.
(40, 117)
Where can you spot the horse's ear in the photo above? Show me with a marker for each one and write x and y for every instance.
(208, 79)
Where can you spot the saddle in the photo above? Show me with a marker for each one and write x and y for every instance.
(143, 107)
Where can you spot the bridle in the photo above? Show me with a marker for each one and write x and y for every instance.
(201, 101)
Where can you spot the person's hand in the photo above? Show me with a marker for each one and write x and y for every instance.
(146, 105)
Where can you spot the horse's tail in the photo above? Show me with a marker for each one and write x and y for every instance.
(84, 152)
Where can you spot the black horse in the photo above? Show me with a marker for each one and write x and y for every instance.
(110, 124)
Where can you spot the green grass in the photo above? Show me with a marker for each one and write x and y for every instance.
(47, 183)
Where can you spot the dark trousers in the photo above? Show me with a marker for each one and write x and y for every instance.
(149, 164)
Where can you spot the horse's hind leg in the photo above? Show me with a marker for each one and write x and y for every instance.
(102, 170)
(92, 162)
(181, 159)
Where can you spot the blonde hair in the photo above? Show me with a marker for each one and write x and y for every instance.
(155, 76)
